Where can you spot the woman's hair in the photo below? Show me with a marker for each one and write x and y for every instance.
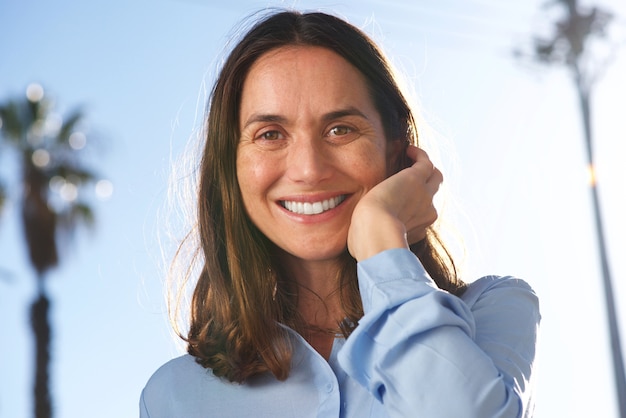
(242, 300)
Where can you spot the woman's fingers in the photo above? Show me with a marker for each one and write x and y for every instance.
(414, 152)
(419, 212)
(434, 181)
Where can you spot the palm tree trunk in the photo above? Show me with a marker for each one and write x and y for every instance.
(614, 334)
(41, 331)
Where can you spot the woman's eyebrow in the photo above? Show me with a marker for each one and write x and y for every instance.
(260, 117)
(348, 111)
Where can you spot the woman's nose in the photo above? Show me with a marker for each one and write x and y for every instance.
(308, 161)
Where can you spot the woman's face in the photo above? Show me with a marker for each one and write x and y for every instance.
(312, 144)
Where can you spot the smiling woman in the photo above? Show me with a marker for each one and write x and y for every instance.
(324, 289)
(326, 144)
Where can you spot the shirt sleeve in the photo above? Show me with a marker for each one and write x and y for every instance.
(422, 351)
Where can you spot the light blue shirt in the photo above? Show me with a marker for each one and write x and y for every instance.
(417, 352)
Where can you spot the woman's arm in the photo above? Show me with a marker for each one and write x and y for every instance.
(418, 349)
(424, 352)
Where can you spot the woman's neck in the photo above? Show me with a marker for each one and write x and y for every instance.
(317, 279)
(319, 302)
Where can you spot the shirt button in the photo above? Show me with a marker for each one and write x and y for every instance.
(329, 387)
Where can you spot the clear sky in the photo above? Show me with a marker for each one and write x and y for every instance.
(510, 145)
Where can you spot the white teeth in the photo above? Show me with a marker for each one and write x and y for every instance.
(317, 207)
(312, 208)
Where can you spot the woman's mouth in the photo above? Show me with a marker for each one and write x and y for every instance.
(312, 208)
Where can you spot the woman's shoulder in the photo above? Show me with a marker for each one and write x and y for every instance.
(503, 305)
(505, 289)
(177, 373)
(180, 387)
(183, 388)
(183, 365)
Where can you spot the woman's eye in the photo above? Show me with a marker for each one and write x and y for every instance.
(340, 131)
(270, 135)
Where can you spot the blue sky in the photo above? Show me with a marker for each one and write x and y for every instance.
(507, 136)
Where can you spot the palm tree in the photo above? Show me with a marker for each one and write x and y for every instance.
(570, 46)
(51, 176)
(2, 197)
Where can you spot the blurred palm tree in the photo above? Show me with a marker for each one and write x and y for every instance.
(2, 196)
(571, 45)
(51, 175)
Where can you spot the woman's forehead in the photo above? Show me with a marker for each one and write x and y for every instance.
(302, 77)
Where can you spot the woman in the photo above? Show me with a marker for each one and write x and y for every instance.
(324, 290)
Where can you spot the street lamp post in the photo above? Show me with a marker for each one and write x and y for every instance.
(567, 47)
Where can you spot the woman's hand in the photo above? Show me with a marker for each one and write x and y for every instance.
(397, 211)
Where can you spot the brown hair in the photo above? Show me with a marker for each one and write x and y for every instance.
(241, 302)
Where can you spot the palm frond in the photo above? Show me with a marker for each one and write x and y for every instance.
(82, 213)
(69, 126)
(72, 171)
(12, 126)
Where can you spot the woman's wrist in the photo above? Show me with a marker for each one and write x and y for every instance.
(372, 232)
